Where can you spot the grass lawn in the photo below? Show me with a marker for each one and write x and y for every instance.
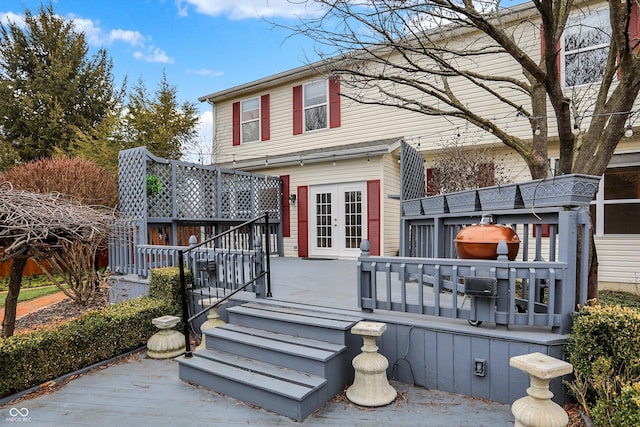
(31, 293)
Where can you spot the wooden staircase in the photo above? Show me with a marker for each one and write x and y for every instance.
(284, 357)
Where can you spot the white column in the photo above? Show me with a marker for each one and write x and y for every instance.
(213, 321)
(370, 386)
(166, 343)
(537, 409)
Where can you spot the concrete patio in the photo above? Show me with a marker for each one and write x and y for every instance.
(143, 391)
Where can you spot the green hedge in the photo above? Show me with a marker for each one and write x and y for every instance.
(164, 284)
(33, 358)
(36, 357)
(604, 349)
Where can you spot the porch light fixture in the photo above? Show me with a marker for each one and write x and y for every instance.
(301, 162)
(628, 132)
(292, 198)
(334, 160)
(266, 160)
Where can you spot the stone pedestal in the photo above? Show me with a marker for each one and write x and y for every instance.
(166, 343)
(537, 409)
(213, 321)
(370, 386)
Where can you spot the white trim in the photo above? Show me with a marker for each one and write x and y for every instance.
(325, 104)
(258, 119)
(338, 226)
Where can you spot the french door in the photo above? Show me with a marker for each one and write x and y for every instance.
(337, 220)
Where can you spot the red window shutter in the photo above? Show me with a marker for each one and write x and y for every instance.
(546, 230)
(487, 174)
(558, 57)
(433, 185)
(303, 221)
(297, 110)
(265, 117)
(286, 208)
(334, 102)
(236, 123)
(373, 215)
(634, 26)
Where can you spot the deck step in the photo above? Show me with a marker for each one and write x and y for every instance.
(324, 326)
(279, 349)
(286, 358)
(285, 391)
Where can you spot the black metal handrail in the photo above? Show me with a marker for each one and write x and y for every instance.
(226, 297)
(183, 287)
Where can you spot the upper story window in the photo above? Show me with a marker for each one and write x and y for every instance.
(585, 47)
(250, 120)
(315, 105)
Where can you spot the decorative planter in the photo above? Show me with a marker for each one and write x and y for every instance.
(412, 207)
(563, 190)
(434, 205)
(500, 197)
(463, 201)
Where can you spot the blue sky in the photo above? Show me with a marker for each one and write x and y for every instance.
(203, 45)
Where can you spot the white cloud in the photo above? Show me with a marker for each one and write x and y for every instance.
(247, 9)
(14, 18)
(93, 33)
(153, 54)
(96, 36)
(205, 72)
(134, 38)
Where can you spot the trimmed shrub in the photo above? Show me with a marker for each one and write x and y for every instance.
(604, 349)
(33, 358)
(164, 284)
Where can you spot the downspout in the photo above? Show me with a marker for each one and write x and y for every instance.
(213, 131)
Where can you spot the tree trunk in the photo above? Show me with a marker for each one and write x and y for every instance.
(11, 302)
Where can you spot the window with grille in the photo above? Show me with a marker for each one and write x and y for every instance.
(585, 46)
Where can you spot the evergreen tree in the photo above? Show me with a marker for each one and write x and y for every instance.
(158, 122)
(51, 89)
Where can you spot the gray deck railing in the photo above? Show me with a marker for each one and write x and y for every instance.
(528, 293)
(541, 287)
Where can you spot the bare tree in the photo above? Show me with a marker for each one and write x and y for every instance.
(41, 226)
(460, 165)
(420, 55)
(424, 55)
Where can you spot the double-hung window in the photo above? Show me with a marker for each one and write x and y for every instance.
(315, 105)
(585, 47)
(250, 120)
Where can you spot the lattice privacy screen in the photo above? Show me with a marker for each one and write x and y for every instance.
(132, 182)
(412, 178)
(193, 192)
